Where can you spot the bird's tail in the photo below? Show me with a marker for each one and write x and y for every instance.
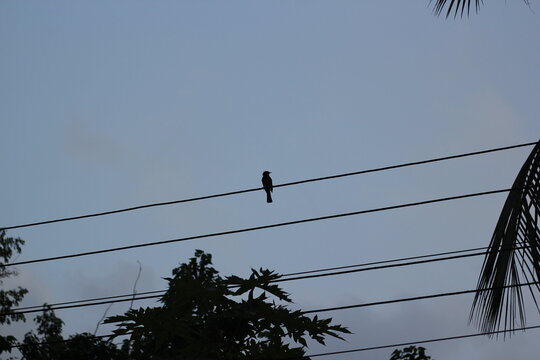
(268, 197)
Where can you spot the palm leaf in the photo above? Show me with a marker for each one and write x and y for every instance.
(460, 7)
(513, 257)
(457, 6)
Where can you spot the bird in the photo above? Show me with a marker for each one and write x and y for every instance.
(267, 185)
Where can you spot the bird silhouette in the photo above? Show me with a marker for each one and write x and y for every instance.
(267, 185)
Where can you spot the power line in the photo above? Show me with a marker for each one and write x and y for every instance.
(414, 163)
(40, 307)
(55, 306)
(378, 267)
(134, 298)
(414, 298)
(256, 228)
(418, 342)
(388, 261)
(327, 353)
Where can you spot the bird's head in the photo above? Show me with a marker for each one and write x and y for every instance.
(266, 173)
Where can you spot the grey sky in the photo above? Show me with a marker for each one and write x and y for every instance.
(109, 104)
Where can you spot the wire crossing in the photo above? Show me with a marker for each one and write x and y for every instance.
(381, 262)
(457, 337)
(205, 197)
(262, 227)
(159, 293)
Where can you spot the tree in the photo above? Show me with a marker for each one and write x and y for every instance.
(205, 316)
(83, 346)
(9, 298)
(410, 353)
(49, 344)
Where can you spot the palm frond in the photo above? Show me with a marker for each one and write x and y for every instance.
(513, 257)
(457, 6)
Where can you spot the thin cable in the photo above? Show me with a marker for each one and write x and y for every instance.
(283, 275)
(328, 353)
(237, 231)
(37, 308)
(275, 186)
(379, 267)
(133, 298)
(388, 261)
(417, 342)
(414, 298)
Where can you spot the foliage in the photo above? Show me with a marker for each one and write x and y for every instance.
(410, 353)
(205, 316)
(48, 343)
(9, 298)
(513, 256)
(459, 7)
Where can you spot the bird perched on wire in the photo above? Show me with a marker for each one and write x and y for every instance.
(267, 185)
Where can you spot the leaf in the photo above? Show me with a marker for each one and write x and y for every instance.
(513, 256)
(458, 6)
(261, 279)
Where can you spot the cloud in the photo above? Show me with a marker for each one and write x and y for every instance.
(92, 145)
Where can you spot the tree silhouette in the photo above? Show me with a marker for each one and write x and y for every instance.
(410, 353)
(205, 316)
(9, 298)
(49, 344)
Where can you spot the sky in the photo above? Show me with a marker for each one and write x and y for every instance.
(112, 104)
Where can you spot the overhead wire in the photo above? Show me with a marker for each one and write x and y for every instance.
(413, 298)
(323, 178)
(416, 342)
(130, 295)
(159, 293)
(303, 221)
(387, 261)
(256, 228)
(326, 353)
(335, 308)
